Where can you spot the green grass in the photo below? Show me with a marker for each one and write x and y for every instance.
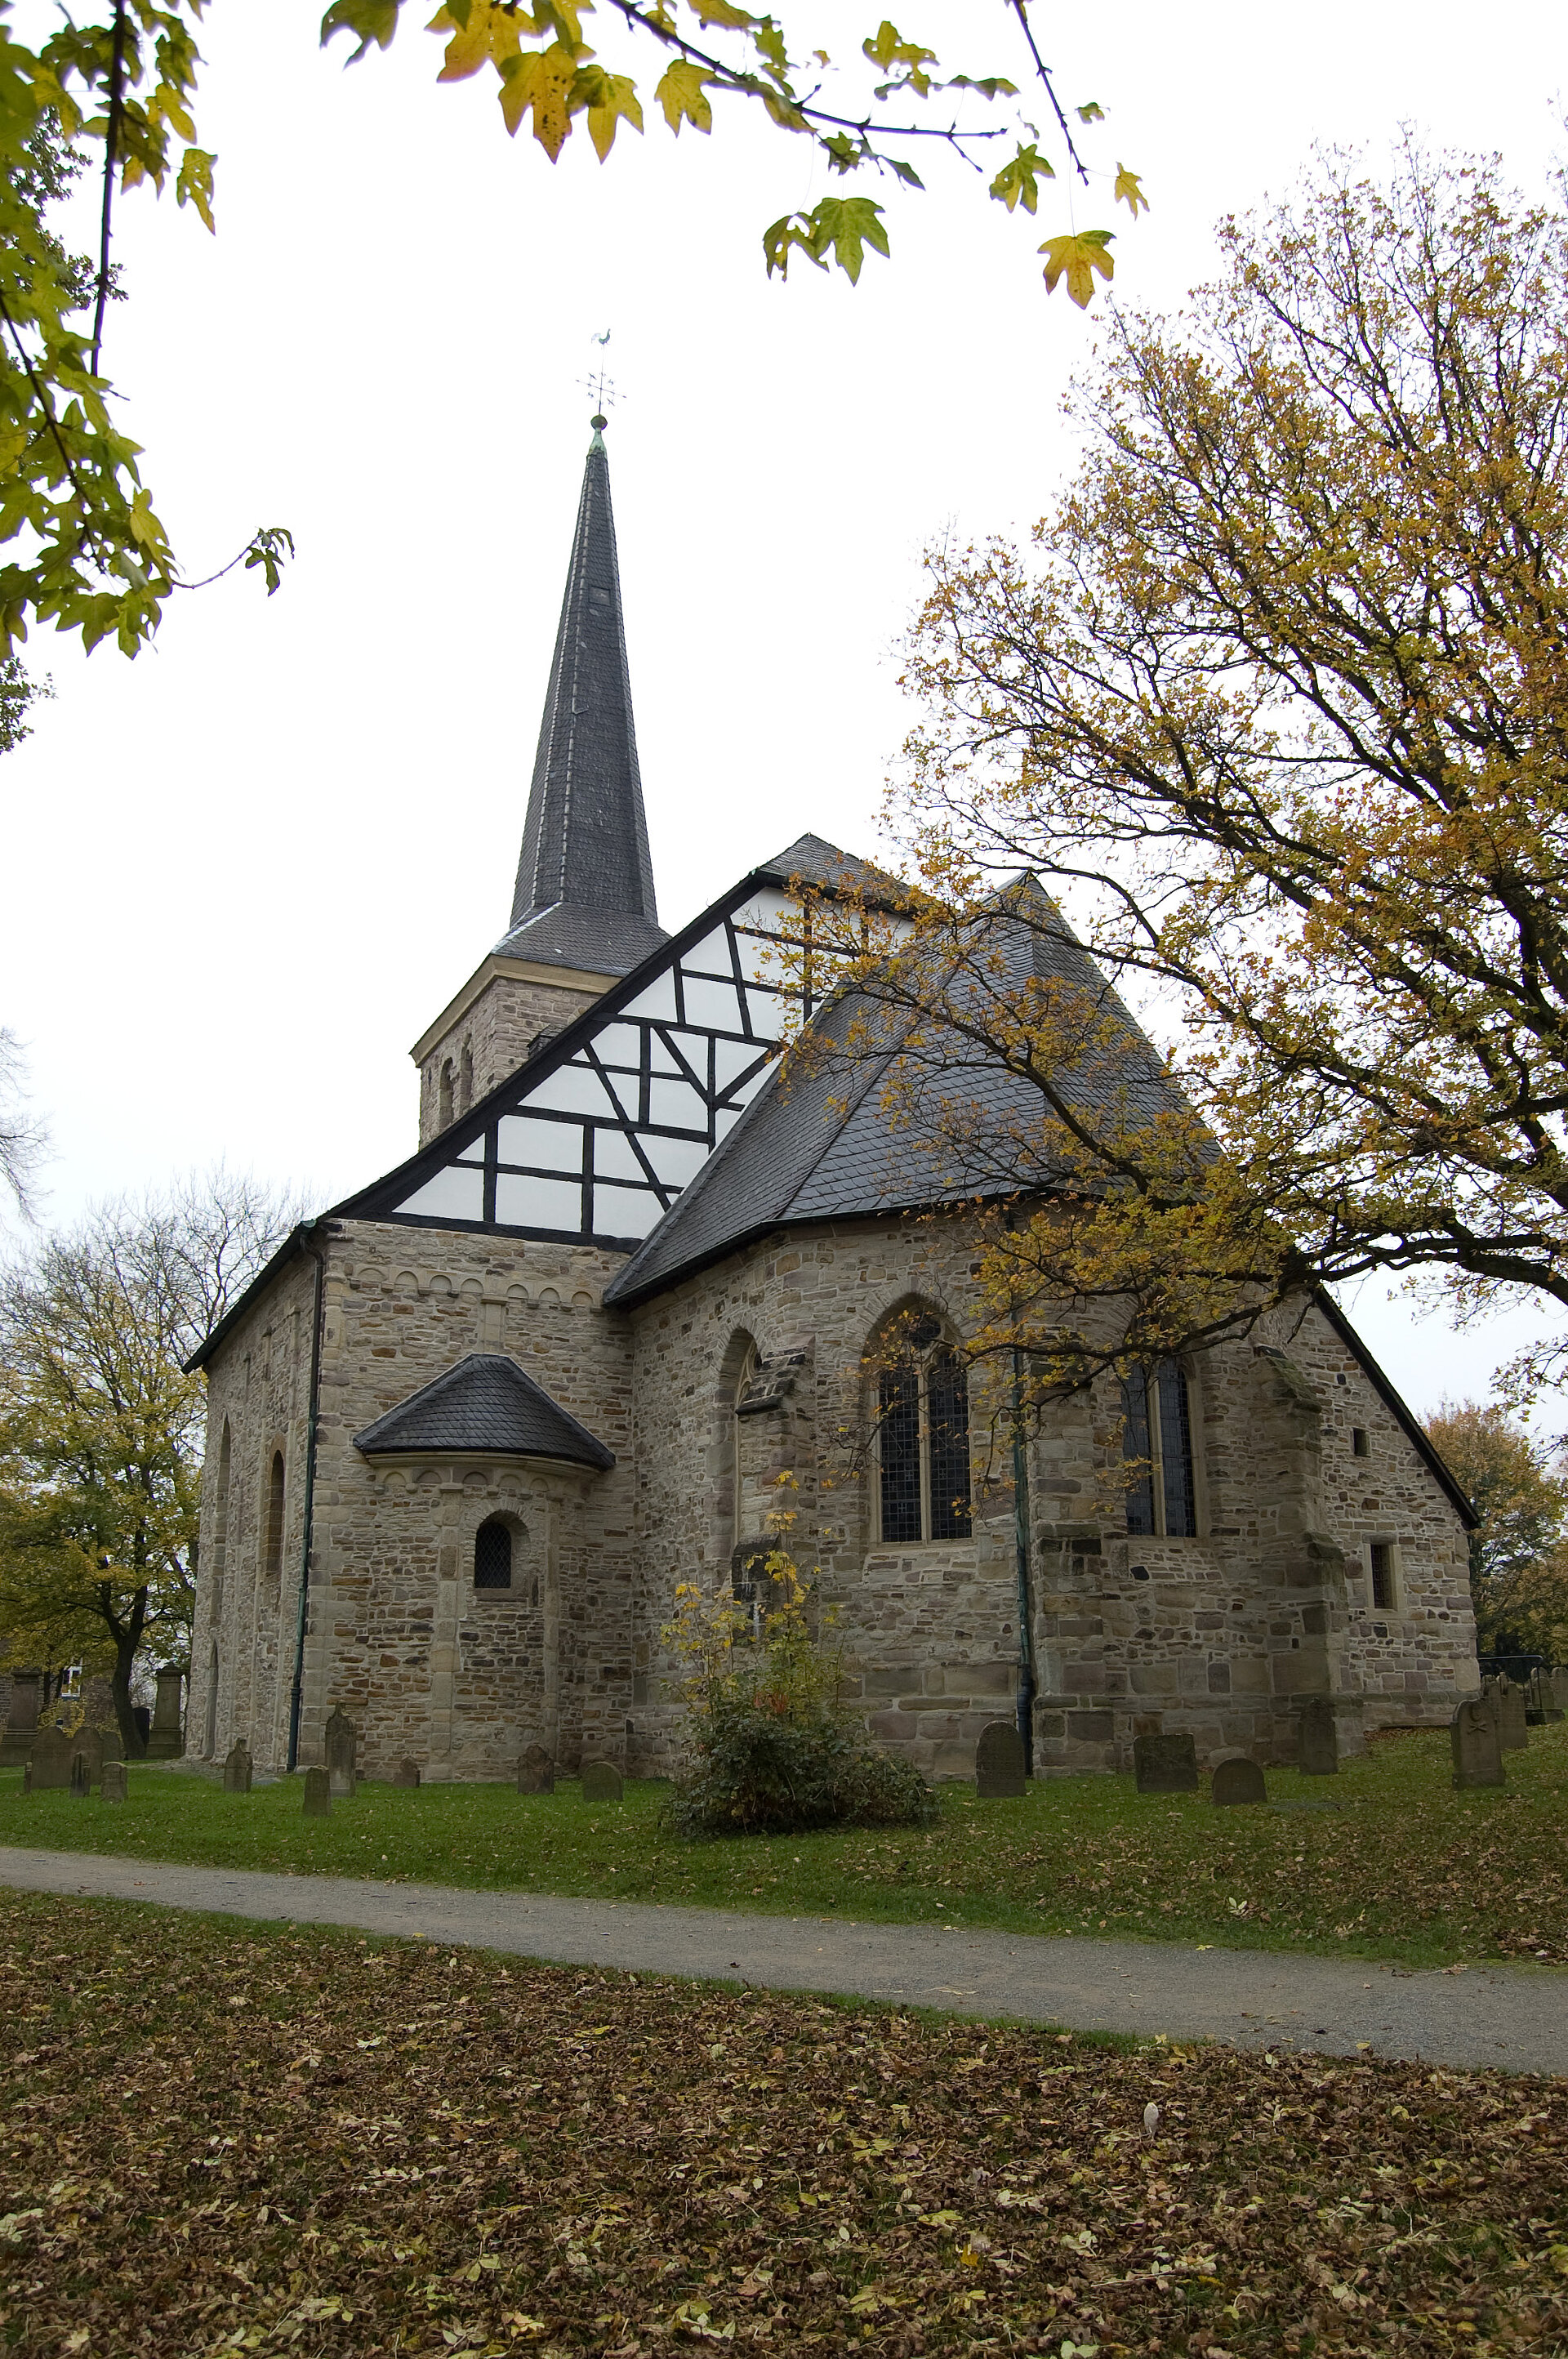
(1401, 1868)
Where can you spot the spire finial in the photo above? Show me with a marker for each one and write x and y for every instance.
(603, 387)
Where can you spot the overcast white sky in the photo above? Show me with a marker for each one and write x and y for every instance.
(246, 870)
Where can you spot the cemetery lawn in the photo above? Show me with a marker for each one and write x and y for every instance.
(1398, 1866)
(224, 2139)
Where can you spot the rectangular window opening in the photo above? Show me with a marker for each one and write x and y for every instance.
(1382, 1553)
(1360, 1446)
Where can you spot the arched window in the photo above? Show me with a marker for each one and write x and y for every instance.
(493, 1556)
(1157, 1439)
(923, 1429)
(210, 1744)
(444, 1107)
(465, 1080)
(272, 1558)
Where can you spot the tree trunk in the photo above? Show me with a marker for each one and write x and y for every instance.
(127, 1638)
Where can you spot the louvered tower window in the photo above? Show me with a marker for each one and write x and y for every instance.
(923, 1424)
(492, 1557)
(1157, 1438)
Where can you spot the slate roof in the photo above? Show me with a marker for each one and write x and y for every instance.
(817, 1144)
(485, 1406)
(584, 896)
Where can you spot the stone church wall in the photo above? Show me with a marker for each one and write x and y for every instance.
(496, 1032)
(425, 1665)
(1224, 1634)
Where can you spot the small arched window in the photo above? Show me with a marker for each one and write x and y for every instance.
(444, 1107)
(923, 1426)
(465, 1080)
(1157, 1441)
(273, 1558)
(493, 1556)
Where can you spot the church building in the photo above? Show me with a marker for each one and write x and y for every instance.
(469, 1430)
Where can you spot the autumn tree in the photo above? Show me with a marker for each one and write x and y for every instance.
(1275, 715)
(101, 1427)
(1519, 1555)
(115, 82)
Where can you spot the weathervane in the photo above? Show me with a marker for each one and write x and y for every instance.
(600, 385)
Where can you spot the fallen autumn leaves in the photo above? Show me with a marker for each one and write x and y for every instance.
(224, 2141)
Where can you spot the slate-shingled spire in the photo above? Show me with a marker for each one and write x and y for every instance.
(585, 883)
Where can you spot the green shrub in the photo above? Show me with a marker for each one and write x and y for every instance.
(772, 1748)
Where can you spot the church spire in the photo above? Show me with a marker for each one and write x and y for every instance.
(585, 883)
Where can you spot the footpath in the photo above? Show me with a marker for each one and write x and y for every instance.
(1513, 2017)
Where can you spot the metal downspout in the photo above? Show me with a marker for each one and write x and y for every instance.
(1026, 1602)
(317, 1255)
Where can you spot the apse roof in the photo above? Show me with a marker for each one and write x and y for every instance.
(485, 1406)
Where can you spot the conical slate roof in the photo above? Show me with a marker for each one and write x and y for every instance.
(585, 881)
(485, 1406)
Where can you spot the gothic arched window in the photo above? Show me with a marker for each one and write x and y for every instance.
(1157, 1439)
(465, 1080)
(272, 1558)
(923, 1426)
(444, 1106)
(493, 1556)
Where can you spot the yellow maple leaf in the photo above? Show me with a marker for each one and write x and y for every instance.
(681, 94)
(1077, 258)
(1128, 190)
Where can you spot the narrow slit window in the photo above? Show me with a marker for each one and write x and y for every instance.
(492, 1557)
(1157, 1441)
(1382, 1553)
(1359, 1444)
(275, 1497)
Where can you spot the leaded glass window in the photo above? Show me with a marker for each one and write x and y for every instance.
(492, 1557)
(1157, 1443)
(923, 1433)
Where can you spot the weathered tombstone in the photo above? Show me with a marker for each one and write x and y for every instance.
(115, 1781)
(1166, 1764)
(81, 1778)
(21, 1724)
(1558, 1679)
(1238, 1781)
(165, 1742)
(600, 1781)
(999, 1761)
(1318, 1750)
(317, 1794)
(1511, 1722)
(1477, 1750)
(342, 1740)
(535, 1771)
(88, 1743)
(406, 1773)
(238, 1768)
(114, 1743)
(1534, 1701)
(48, 1763)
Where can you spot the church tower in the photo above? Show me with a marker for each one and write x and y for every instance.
(583, 912)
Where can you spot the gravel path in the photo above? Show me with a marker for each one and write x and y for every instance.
(1514, 2017)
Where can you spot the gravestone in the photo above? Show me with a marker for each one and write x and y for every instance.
(115, 1781)
(90, 1743)
(535, 1771)
(1238, 1781)
(1318, 1750)
(48, 1765)
(1511, 1722)
(81, 1778)
(317, 1794)
(998, 1762)
(1478, 1751)
(1534, 1701)
(238, 1770)
(342, 1740)
(113, 1742)
(600, 1781)
(1559, 1689)
(406, 1773)
(21, 1724)
(143, 1720)
(1166, 1764)
(165, 1739)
